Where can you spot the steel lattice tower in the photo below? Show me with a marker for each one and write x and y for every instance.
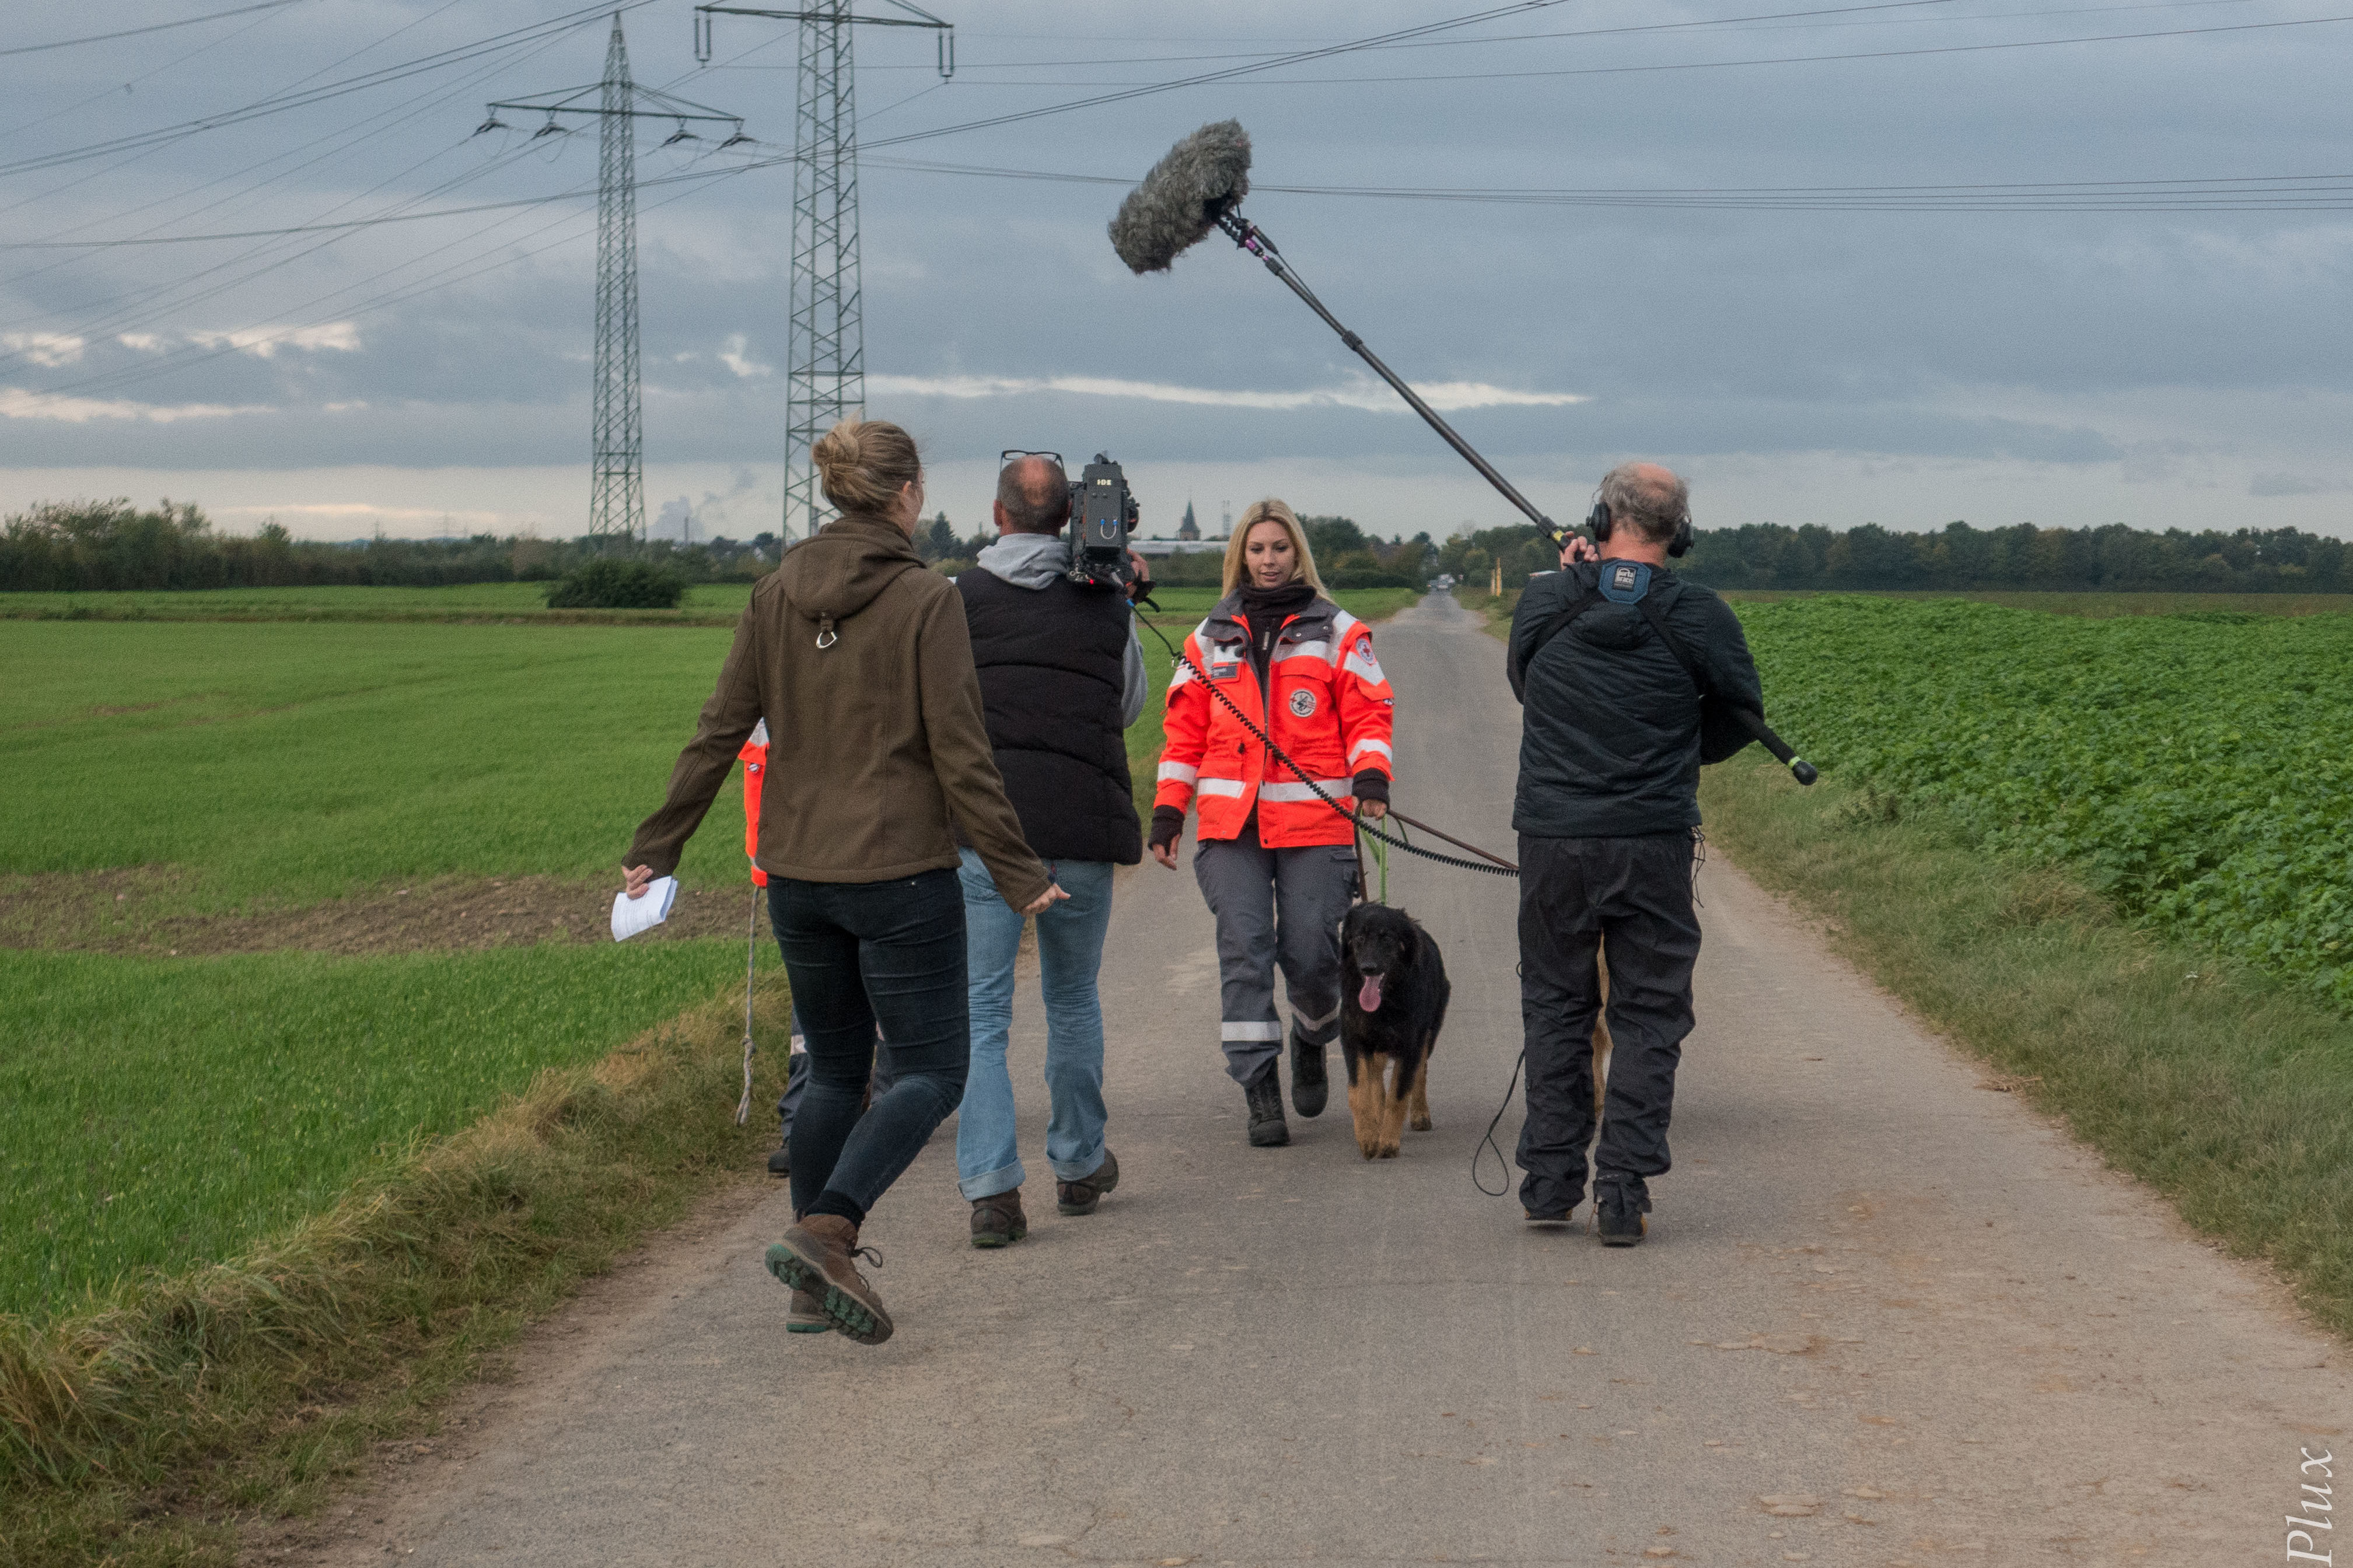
(825, 329)
(617, 499)
(825, 337)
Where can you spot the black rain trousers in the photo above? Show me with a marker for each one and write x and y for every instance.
(1636, 893)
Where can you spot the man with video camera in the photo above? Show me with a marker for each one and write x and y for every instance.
(1061, 678)
(1626, 672)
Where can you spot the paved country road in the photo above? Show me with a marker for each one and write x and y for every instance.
(1907, 1308)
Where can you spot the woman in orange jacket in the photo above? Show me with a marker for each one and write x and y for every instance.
(1277, 864)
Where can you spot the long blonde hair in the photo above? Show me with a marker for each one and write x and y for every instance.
(1269, 510)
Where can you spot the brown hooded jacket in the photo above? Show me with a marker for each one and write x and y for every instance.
(858, 658)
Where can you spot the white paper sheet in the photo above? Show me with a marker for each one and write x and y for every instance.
(631, 916)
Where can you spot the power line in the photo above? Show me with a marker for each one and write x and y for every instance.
(137, 32)
(1803, 60)
(283, 101)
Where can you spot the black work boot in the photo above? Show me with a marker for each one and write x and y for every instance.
(1620, 1201)
(1267, 1128)
(1309, 1087)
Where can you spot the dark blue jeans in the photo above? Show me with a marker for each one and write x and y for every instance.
(861, 955)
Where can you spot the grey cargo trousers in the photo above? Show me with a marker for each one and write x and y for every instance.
(1275, 908)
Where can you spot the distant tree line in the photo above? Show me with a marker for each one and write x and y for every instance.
(87, 546)
(1345, 557)
(1960, 559)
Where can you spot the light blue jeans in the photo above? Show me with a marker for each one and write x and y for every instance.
(1070, 951)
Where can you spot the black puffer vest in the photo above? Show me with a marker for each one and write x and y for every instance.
(1053, 665)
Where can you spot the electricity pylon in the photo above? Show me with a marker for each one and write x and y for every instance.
(617, 497)
(826, 328)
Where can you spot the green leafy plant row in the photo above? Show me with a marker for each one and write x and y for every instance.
(2193, 768)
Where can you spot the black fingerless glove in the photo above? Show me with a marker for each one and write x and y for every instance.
(1167, 825)
(1371, 785)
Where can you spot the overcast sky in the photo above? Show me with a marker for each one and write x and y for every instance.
(1850, 354)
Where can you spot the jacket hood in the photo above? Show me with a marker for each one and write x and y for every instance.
(839, 573)
(1026, 560)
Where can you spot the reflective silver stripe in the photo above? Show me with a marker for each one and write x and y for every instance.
(760, 734)
(1319, 1023)
(1223, 786)
(1363, 666)
(1316, 649)
(1341, 623)
(1183, 773)
(1369, 744)
(1337, 788)
(1251, 1032)
(1183, 673)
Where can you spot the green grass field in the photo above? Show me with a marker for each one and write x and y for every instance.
(156, 1115)
(285, 763)
(708, 604)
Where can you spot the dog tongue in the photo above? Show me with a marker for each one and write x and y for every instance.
(1368, 995)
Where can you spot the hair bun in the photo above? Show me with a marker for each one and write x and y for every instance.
(863, 464)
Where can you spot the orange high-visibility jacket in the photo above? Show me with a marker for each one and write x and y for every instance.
(755, 758)
(1330, 712)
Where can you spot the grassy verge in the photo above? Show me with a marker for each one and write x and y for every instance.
(156, 1115)
(143, 1433)
(2223, 1090)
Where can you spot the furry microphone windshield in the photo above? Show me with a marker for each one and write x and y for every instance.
(1181, 200)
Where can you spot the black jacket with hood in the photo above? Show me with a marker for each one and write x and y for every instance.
(1610, 735)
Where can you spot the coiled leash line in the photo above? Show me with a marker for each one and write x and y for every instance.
(1499, 867)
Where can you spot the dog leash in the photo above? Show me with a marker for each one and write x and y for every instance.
(1493, 865)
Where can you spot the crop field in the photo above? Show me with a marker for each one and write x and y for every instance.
(2192, 767)
(2100, 606)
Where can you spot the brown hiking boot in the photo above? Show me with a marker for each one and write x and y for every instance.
(820, 1256)
(806, 1315)
(998, 1219)
(1081, 1196)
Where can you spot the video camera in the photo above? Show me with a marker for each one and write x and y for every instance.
(1102, 515)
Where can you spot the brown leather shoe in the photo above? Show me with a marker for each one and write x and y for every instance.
(998, 1219)
(820, 1256)
(1081, 1196)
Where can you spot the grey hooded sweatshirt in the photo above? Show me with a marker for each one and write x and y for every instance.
(1033, 561)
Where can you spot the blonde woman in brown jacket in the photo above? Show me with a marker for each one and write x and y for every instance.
(858, 658)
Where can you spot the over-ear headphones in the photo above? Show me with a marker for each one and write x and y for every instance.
(1598, 521)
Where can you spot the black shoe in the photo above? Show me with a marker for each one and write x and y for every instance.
(780, 1164)
(1618, 1204)
(1309, 1088)
(1267, 1128)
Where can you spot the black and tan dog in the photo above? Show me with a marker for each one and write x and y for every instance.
(1394, 993)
